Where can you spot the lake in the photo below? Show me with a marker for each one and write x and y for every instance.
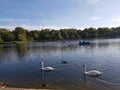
(20, 64)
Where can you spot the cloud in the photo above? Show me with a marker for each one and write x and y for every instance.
(34, 14)
(33, 27)
(13, 20)
(95, 18)
(26, 23)
(92, 1)
(115, 18)
(51, 20)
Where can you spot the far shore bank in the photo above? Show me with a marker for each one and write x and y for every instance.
(25, 42)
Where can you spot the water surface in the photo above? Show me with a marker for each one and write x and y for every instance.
(20, 64)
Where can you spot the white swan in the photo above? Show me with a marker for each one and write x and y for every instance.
(91, 72)
(46, 68)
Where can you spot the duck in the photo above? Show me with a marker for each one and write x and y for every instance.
(63, 41)
(44, 85)
(46, 68)
(3, 84)
(91, 72)
(64, 61)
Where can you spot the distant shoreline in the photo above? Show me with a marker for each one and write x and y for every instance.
(24, 42)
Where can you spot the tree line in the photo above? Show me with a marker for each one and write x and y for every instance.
(21, 34)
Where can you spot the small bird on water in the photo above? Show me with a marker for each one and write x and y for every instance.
(64, 62)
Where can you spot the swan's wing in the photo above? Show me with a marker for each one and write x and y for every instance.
(93, 72)
(49, 68)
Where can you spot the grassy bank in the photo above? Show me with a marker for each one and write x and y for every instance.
(14, 42)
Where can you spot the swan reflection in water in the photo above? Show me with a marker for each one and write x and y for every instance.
(43, 83)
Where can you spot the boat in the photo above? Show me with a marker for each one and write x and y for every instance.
(84, 42)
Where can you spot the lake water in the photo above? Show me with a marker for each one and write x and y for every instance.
(20, 64)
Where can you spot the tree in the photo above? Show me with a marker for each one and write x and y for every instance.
(8, 37)
(104, 32)
(55, 35)
(20, 34)
(64, 33)
(92, 33)
(58, 35)
(45, 35)
(84, 34)
(35, 34)
(72, 33)
(78, 34)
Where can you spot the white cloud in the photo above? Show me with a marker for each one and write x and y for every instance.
(115, 18)
(13, 20)
(33, 27)
(92, 1)
(51, 20)
(95, 18)
(26, 23)
(38, 14)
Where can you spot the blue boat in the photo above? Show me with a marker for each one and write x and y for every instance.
(84, 42)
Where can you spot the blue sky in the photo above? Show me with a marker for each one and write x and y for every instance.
(37, 14)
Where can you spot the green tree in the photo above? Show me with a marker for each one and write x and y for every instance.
(78, 34)
(45, 35)
(84, 34)
(64, 33)
(8, 37)
(55, 35)
(92, 33)
(20, 34)
(35, 34)
(104, 32)
(72, 33)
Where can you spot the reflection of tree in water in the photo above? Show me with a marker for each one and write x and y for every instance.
(6, 47)
(69, 48)
(1, 49)
(49, 49)
(103, 45)
(93, 46)
(6, 51)
(21, 49)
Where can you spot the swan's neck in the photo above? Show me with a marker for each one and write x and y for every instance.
(42, 65)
